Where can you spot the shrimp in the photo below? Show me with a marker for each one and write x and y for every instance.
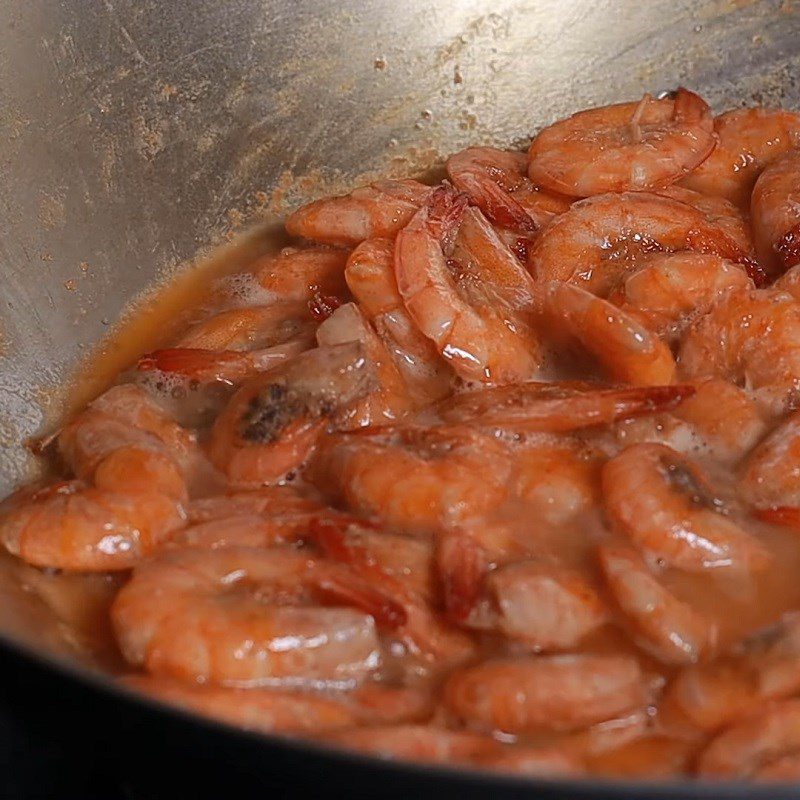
(789, 282)
(271, 424)
(648, 758)
(370, 277)
(558, 407)
(417, 479)
(671, 289)
(497, 182)
(662, 502)
(642, 145)
(752, 339)
(300, 275)
(286, 712)
(441, 746)
(244, 616)
(599, 240)
(756, 746)
(775, 212)
(472, 307)
(664, 626)
(69, 525)
(749, 139)
(546, 607)
(378, 210)
(626, 351)
(534, 693)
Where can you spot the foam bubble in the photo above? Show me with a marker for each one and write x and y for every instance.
(243, 290)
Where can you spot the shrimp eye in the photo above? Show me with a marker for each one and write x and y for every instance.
(269, 412)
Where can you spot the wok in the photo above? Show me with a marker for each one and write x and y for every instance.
(136, 135)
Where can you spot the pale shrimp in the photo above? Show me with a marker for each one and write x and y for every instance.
(472, 308)
(664, 504)
(69, 525)
(271, 424)
(725, 417)
(765, 667)
(378, 210)
(545, 606)
(534, 693)
(672, 289)
(299, 275)
(370, 277)
(642, 145)
(245, 616)
(626, 351)
(600, 239)
(663, 625)
(286, 712)
(441, 746)
(775, 213)
(558, 407)
(748, 139)
(417, 479)
(770, 476)
(497, 182)
(756, 746)
(751, 338)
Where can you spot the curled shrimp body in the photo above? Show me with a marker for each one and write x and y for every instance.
(775, 212)
(626, 351)
(271, 424)
(298, 275)
(497, 182)
(600, 239)
(378, 210)
(666, 627)
(72, 526)
(663, 503)
(748, 139)
(534, 693)
(244, 616)
(642, 145)
(469, 306)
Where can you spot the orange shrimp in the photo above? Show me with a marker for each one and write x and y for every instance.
(298, 275)
(471, 308)
(534, 693)
(271, 424)
(647, 758)
(69, 525)
(626, 351)
(775, 212)
(642, 145)
(749, 139)
(662, 502)
(599, 240)
(497, 182)
(664, 626)
(789, 282)
(378, 210)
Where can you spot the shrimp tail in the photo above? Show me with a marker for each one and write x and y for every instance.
(445, 210)
(462, 568)
(190, 361)
(347, 588)
(502, 209)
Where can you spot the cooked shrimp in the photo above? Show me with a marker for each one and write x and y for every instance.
(533, 693)
(470, 308)
(626, 351)
(271, 424)
(750, 338)
(378, 210)
(69, 525)
(558, 407)
(249, 616)
(370, 277)
(298, 275)
(647, 758)
(417, 479)
(789, 282)
(664, 626)
(441, 746)
(599, 240)
(647, 144)
(749, 139)
(497, 182)
(775, 212)
(662, 502)
(752, 747)
(544, 606)
(672, 289)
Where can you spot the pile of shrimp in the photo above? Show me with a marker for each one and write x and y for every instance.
(501, 473)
